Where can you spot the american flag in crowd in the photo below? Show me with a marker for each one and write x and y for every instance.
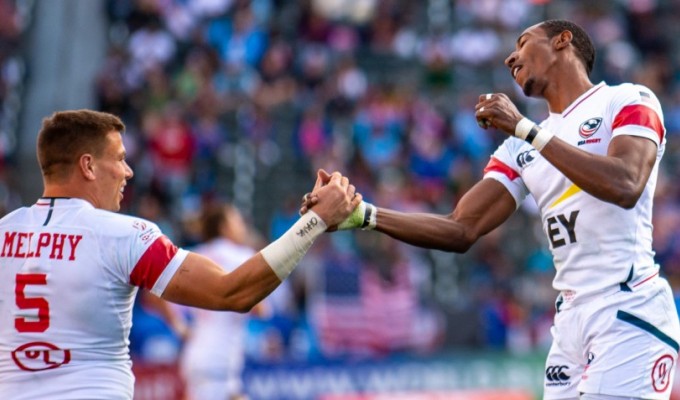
(359, 312)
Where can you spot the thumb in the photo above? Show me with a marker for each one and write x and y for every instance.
(322, 178)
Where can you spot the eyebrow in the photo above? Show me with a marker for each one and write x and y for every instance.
(519, 39)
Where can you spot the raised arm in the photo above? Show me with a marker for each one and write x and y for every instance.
(619, 177)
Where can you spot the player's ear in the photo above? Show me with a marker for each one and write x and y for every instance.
(86, 166)
(563, 40)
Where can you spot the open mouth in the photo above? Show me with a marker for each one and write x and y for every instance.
(515, 71)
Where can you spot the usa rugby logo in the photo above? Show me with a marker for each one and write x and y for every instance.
(588, 128)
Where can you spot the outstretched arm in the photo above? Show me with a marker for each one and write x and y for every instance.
(484, 207)
(199, 282)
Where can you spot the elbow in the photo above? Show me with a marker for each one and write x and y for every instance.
(627, 198)
(243, 309)
(462, 244)
(465, 244)
(627, 203)
(242, 306)
(235, 304)
(458, 239)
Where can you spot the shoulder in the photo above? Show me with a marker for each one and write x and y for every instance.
(629, 88)
(632, 93)
(12, 215)
(107, 223)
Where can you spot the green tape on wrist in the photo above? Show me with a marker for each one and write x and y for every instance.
(355, 219)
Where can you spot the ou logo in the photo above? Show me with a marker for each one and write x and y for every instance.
(38, 356)
(661, 373)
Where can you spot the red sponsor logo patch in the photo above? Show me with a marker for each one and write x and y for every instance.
(39, 356)
(662, 373)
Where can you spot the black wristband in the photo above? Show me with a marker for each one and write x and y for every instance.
(532, 134)
(367, 216)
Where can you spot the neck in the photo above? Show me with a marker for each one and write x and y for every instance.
(63, 190)
(565, 91)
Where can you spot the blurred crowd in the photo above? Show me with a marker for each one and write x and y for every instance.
(241, 101)
(14, 19)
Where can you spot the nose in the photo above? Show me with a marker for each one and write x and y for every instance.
(511, 59)
(128, 172)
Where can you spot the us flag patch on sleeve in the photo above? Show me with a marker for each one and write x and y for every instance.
(647, 98)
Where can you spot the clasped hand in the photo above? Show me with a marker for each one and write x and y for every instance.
(332, 197)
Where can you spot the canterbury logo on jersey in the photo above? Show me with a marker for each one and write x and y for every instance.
(526, 157)
(555, 375)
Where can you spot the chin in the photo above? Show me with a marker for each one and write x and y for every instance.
(112, 207)
(528, 87)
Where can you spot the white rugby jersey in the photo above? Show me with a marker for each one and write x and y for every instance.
(595, 245)
(68, 277)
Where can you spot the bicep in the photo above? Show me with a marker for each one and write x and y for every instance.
(637, 154)
(195, 283)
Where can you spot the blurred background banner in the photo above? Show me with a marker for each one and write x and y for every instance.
(463, 395)
(241, 101)
(402, 376)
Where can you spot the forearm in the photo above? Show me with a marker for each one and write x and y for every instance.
(200, 282)
(247, 286)
(599, 176)
(611, 178)
(483, 208)
(424, 230)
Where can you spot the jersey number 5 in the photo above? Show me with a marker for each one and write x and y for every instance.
(31, 303)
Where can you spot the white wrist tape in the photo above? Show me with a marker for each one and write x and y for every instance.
(284, 253)
(363, 216)
(542, 138)
(523, 127)
(536, 136)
